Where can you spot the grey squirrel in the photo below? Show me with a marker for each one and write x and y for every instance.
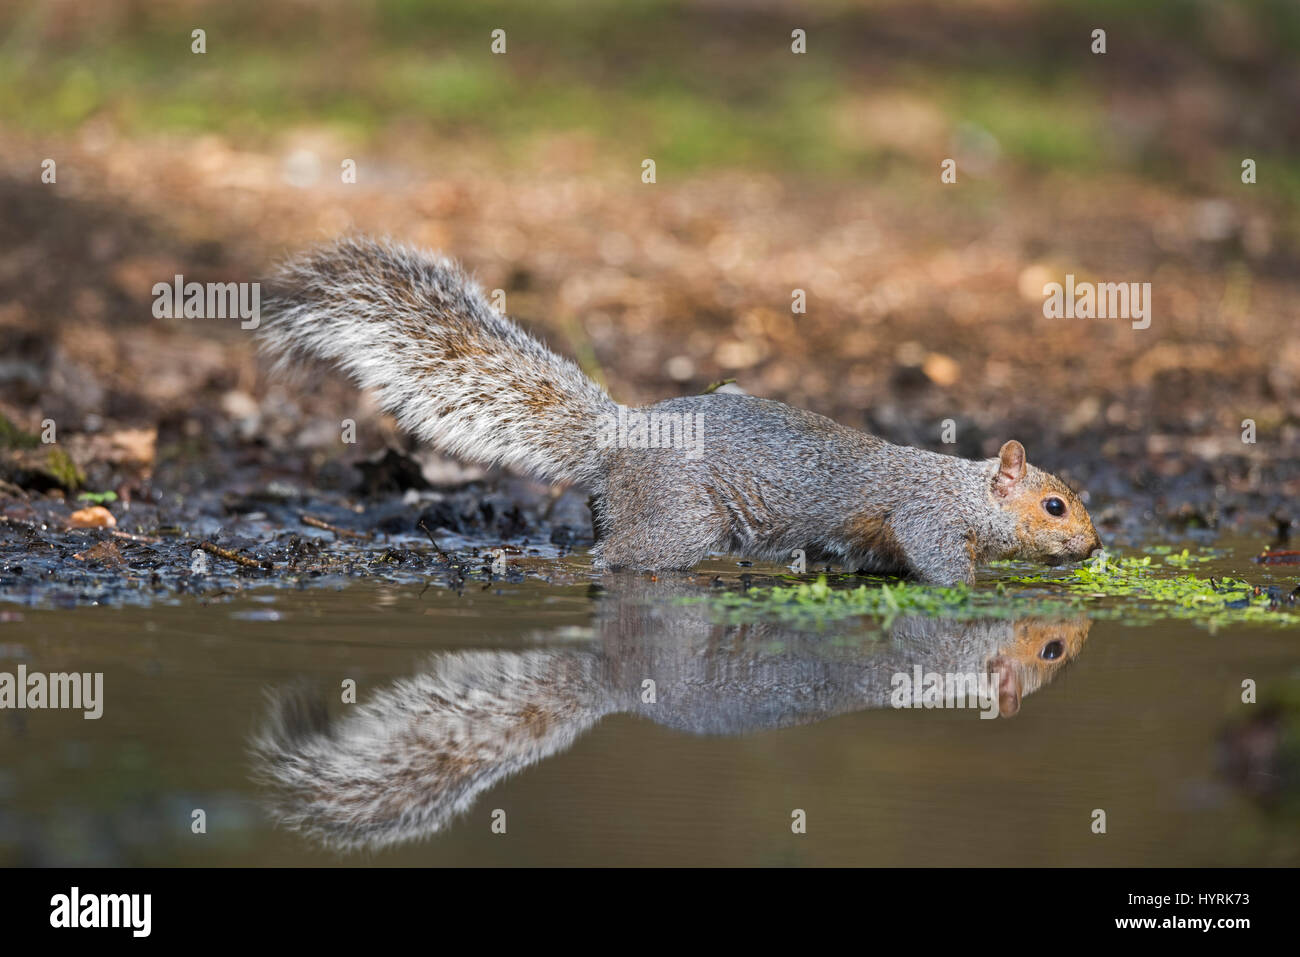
(417, 752)
(757, 478)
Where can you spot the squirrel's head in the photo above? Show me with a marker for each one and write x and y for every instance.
(1050, 523)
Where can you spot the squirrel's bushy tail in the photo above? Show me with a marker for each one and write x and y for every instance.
(412, 327)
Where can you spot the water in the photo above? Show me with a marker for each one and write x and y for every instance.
(527, 699)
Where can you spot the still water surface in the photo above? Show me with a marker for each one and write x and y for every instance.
(527, 703)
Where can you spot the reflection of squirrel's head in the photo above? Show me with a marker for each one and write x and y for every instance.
(1051, 525)
(1038, 650)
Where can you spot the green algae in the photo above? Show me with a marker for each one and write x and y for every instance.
(1146, 585)
(1139, 590)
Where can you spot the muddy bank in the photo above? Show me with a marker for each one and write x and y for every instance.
(184, 511)
(219, 541)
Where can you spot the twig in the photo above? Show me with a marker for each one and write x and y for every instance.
(320, 523)
(436, 547)
(1278, 558)
(235, 557)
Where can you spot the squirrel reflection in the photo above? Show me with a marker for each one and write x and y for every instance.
(402, 764)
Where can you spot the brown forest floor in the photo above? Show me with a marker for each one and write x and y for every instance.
(923, 305)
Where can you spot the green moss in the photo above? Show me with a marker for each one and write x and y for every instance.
(1149, 590)
(818, 602)
(60, 466)
(654, 78)
(12, 437)
(97, 498)
(1138, 590)
(1060, 126)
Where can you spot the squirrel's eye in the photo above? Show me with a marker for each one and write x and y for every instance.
(1051, 651)
(1054, 506)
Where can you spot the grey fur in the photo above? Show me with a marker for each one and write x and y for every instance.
(768, 479)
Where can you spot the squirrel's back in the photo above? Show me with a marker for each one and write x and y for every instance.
(417, 331)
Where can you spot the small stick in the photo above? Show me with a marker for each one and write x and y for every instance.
(436, 547)
(315, 522)
(1278, 558)
(17, 491)
(235, 557)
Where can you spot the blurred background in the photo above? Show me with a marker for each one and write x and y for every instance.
(775, 171)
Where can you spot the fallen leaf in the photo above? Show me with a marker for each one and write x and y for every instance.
(96, 516)
(941, 369)
(105, 553)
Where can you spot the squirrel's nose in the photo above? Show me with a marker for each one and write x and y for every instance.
(1089, 548)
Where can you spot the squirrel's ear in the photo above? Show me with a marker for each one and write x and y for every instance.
(1011, 467)
(1003, 670)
